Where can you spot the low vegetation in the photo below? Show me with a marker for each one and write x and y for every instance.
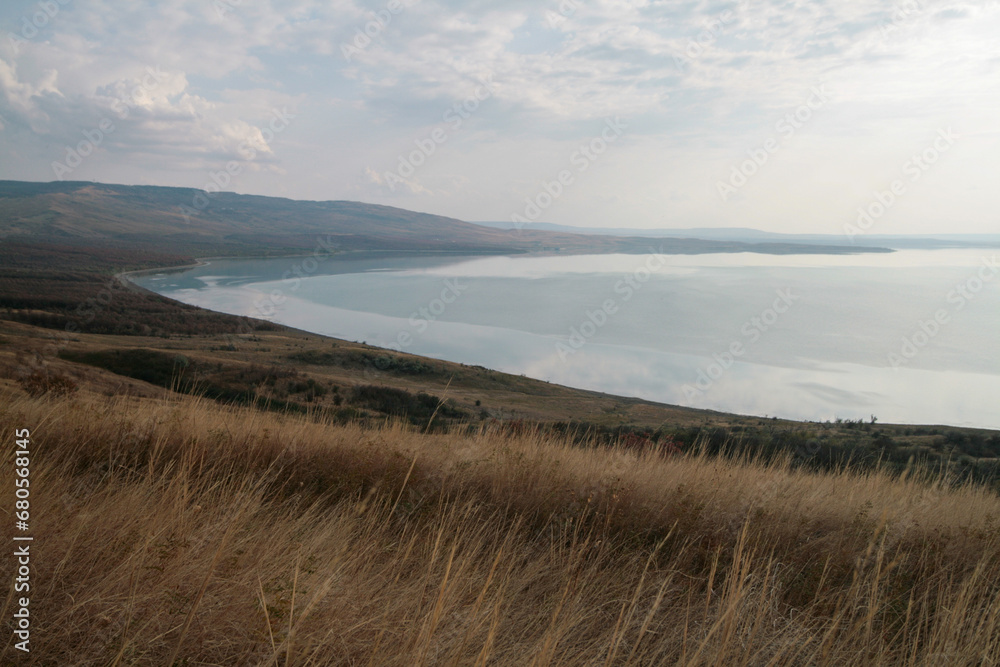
(419, 409)
(179, 531)
(74, 289)
(376, 362)
(266, 387)
(293, 371)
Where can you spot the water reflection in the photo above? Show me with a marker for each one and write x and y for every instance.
(603, 323)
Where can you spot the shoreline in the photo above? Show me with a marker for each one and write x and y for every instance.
(203, 261)
(835, 251)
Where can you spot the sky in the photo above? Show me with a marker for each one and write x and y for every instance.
(793, 116)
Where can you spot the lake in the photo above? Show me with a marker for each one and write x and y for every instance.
(909, 337)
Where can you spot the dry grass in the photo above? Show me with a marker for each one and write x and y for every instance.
(179, 532)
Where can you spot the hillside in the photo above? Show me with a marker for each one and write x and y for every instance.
(191, 222)
(177, 532)
(296, 372)
(748, 235)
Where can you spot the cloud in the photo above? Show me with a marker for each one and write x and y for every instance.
(700, 82)
(21, 98)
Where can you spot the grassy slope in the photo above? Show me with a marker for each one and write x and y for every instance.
(299, 371)
(73, 288)
(149, 217)
(181, 532)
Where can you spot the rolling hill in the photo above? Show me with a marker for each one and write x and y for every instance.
(191, 222)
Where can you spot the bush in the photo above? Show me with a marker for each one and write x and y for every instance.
(152, 366)
(40, 382)
(401, 403)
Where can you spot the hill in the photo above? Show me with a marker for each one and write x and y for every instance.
(192, 222)
(179, 532)
(856, 239)
(63, 243)
(296, 372)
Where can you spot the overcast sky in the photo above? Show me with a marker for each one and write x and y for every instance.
(785, 116)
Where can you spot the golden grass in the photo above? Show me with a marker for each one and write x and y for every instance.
(180, 532)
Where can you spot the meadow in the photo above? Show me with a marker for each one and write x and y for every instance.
(174, 530)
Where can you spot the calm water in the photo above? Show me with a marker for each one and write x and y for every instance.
(910, 336)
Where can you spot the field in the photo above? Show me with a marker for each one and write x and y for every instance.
(174, 530)
(215, 490)
(285, 370)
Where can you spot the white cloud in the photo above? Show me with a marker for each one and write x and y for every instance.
(700, 83)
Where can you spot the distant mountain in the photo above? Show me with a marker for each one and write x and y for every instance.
(748, 235)
(728, 233)
(190, 221)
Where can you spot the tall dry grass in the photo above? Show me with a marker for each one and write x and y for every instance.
(180, 532)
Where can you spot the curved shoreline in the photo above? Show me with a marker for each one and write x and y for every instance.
(274, 269)
(204, 261)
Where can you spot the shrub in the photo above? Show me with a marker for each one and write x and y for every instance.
(39, 382)
(401, 403)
